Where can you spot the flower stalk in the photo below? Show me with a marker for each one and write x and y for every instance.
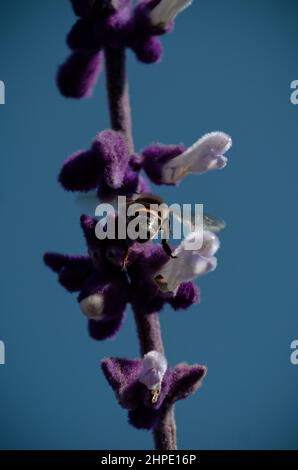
(148, 326)
(118, 93)
(150, 339)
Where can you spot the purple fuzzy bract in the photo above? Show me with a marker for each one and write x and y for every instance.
(123, 376)
(112, 149)
(81, 171)
(187, 295)
(148, 50)
(156, 156)
(83, 7)
(77, 76)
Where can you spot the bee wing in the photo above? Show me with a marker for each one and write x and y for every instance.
(213, 224)
(182, 219)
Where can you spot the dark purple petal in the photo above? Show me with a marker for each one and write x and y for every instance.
(88, 225)
(114, 288)
(144, 418)
(145, 292)
(107, 255)
(150, 258)
(119, 21)
(81, 171)
(186, 380)
(82, 36)
(122, 375)
(56, 261)
(112, 149)
(93, 8)
(146, 299)
(73, 270)
(113, 295)
(76, 78)
(187, 295)
(73, 278)
(102, 330)
(132, 183)
(105, 193)
(148, 50)
(106, 163)
(156, 156)
(83, 7)
(129, 186)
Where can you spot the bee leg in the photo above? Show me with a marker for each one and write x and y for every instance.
(167, 249)
(166, 230)
(125, 257)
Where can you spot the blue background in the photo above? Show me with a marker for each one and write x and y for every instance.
(228, 66)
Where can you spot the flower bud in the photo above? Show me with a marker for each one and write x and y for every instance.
(205, 155)
(210, 245)
(167, 10)
(92, 307)
(154, 368)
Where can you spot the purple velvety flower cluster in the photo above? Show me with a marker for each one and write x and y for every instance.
(108, 166)
(148, 387)
(149, 279)
(105, 288)
(108, 24)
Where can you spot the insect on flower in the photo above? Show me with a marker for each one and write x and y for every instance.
(149, 215)
(145, 216)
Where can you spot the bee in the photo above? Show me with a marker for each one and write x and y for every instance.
(153, 216)
(149, 216)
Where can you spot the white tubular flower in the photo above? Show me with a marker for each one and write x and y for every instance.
(210, 245)
(154, 369)
(189, 263)
(167, 10)
(206, 154)
(92, 307)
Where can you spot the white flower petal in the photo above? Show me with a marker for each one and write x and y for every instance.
(210, 245)
(156, 360)
(216, 163)
(154, 369)
(206, 154)
(92, 307)
(201, 265)
(189, 263)
(167, 10)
